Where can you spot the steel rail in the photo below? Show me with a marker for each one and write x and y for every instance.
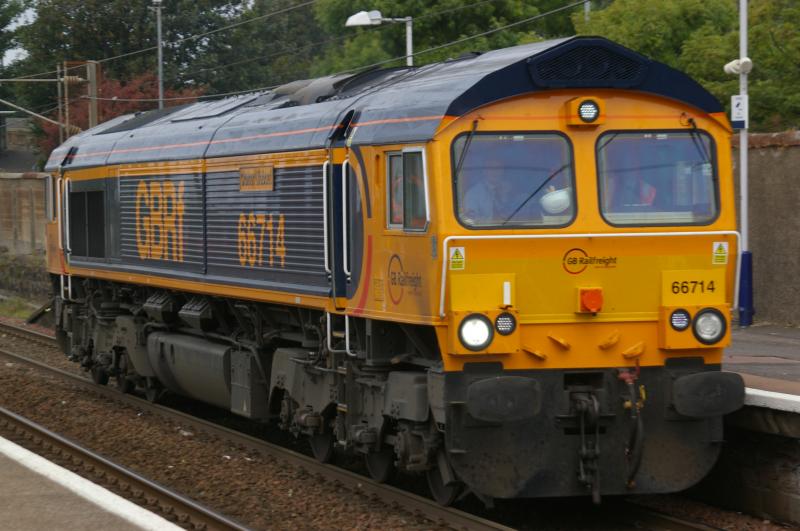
(642, 517)
(27, 333)
(387, 494)
(169, 502)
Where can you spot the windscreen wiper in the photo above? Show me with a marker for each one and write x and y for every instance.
(538, 189)
(463, 155)
(698, 142)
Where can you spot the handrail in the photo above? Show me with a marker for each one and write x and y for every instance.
(59, 213)
(345, 251)
(329, 334)
(447, 240)
(325, 166)
(67, 246)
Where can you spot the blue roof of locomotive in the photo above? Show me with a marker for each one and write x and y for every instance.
(390, 106)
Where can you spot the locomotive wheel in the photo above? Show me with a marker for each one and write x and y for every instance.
(99, 375)
(380, 465)
(322, 446)
(124, 385)
(443, 494)
(62, 339)
(153, 390)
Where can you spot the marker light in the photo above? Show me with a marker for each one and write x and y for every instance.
(475, 332)
(709, 326)
(589, 111)
(680, 320)
(505, 324)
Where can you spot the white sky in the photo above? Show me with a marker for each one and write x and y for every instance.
(16, 54)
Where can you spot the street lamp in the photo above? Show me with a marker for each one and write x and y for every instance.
(374, 18)
(157, 8)
(739, 119)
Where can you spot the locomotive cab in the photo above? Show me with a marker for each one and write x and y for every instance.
(587, 293)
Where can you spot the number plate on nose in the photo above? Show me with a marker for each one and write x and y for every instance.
(696, 287)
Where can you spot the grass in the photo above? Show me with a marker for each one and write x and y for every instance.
(15, 307)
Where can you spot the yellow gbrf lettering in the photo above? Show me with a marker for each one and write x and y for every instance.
(159, 220)
(280, 245)
(252, 230)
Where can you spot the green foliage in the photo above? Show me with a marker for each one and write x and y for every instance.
(434, 25)
(15, 307)
(9, 10)
(266, 48)
(270, 47)
(77, 30)
(700, 36)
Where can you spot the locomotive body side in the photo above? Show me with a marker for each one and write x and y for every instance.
(523, 288)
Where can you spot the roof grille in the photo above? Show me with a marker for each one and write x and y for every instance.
(590, 66)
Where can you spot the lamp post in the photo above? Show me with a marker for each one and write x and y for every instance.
(157, 9)
(739, 120)
(374, 18)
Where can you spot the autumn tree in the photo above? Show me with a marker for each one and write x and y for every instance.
(118, 98)
(76, 30)
(700, 36)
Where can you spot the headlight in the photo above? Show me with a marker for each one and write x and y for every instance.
(588, 110)
(709, 326)
(505, 324)
(680, 320)
(475, 332)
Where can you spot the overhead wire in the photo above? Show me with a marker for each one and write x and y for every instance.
(211, 32)
(185, 39)
(470, 37)
(335, 39)
(373, 65)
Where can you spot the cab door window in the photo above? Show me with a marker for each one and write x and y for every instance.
(407, 205)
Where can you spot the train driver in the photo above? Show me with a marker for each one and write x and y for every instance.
(489, 193)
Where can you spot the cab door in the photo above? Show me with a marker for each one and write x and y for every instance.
(345, 226)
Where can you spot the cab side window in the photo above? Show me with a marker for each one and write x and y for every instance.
(407, 207)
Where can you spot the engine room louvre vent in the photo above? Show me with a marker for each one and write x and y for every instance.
(587, 66)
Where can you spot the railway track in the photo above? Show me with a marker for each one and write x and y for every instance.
(633, 516)
(27, 333)
(159, 499)
(389, 495)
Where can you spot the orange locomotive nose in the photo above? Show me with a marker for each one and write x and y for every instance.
(591, 300)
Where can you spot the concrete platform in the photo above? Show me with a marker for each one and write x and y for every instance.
(37, 494)
(768, 357)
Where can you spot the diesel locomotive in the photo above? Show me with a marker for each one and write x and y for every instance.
(512, 271)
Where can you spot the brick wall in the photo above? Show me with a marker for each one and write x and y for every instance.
(22, 212)
(774, 195)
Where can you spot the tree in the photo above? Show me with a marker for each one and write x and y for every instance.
(9, 11)
(700, 36)
(274, 42)
(76, 30)
(132, 96)
(443, 22)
